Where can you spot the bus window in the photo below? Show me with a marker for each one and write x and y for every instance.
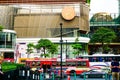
(106, 59)
(73, 63)
(110, 59)
(94, 59)
(90, 59)
(69, 64)
(63, 63)
(100, 59)
(83, 63)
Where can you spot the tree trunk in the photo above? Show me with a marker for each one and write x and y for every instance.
(28, 55)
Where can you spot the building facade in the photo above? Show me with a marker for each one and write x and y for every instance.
(41, 19)
(7, 43)
(108, 20)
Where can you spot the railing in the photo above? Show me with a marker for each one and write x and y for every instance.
(6, 46)
(105, 77)
(105, 19)
(24, 73)
(104, 23)
(84, 35)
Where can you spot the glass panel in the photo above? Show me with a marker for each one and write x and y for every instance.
(63, 63)
(7, 40)
(2, 40)
(71, 63)
(81, 63)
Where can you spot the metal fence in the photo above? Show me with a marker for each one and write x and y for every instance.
(24, 73)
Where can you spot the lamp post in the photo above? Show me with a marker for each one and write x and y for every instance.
(61, 49)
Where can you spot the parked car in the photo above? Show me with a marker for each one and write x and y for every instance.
(94, 73)
(104, 68)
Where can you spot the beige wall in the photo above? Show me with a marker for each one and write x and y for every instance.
(84, 19)
(6, 16)
(42, 25)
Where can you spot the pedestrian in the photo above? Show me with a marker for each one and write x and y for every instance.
(1, 73)
(115, 69)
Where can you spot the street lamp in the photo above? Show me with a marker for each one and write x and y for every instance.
(61, 49)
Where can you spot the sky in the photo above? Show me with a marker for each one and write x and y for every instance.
(110, 6)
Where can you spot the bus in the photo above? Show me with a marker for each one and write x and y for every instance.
(70, 65)
(100, 59)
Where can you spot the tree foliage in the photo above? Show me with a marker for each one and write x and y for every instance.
(77, 47)
(47, 45)
(104, 36)
(30, 48)
(53, 49)
(1, 27)
(88, 1)
(43, 43)
(117, 20)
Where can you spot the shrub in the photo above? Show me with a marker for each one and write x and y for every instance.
(7, 66)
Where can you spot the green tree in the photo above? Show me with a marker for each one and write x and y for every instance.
(77, 47)
(88, 1)
(47, 46)
(1, 27)
(53, 49)
(30, 48)
(117, 20)
(104, 36)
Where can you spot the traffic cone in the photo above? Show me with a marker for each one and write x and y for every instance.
(68, 77)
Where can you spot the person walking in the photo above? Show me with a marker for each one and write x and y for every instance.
(115, 69)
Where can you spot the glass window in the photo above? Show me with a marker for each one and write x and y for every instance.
(71, 63)
(7, 39)
(63, 63)
(81, 63)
